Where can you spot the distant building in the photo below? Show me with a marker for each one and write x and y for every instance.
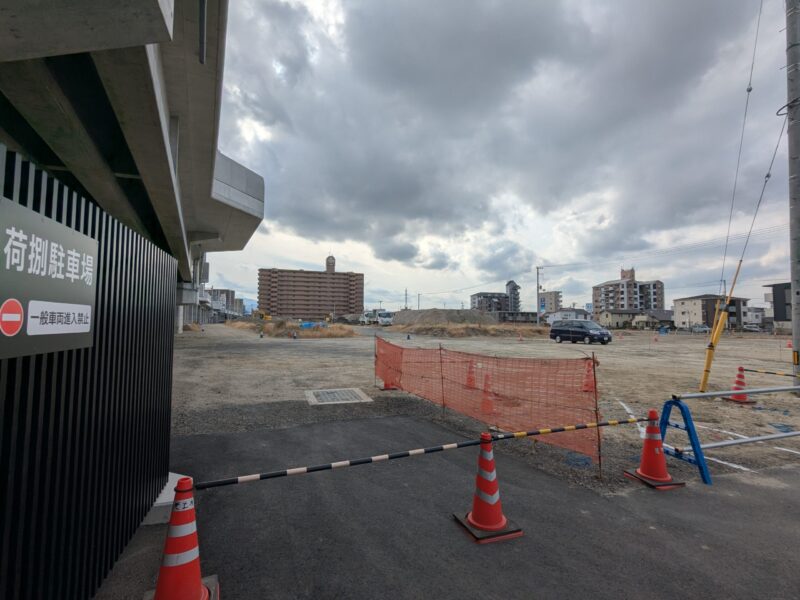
(512, 291)
(517, 317)
(300, 294)
(489, 301)
(549, 302)
(626, 293)
(567, 314)
(652, 319)
(755, 316)
(699, 310)
(617, 318)
(223, 302)
(779, 312)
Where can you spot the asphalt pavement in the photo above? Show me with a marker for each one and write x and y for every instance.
(386, 530)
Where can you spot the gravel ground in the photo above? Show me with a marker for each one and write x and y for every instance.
(247, 383)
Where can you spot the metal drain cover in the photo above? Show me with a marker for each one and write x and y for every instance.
(340, 396)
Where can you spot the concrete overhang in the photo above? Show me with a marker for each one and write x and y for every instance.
(36, 29)
(136, 128)
(235, 207)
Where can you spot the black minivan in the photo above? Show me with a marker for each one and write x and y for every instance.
(579, 331)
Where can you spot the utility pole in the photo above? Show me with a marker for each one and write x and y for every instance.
(418, 296)
(538, 304)
(406, 301)
(793, 137)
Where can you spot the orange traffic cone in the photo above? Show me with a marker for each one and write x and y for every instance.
(179, 577)
(471, 376)
(487, 400)
(588, 378)
(653, 466)
(739, 384)
(486, 521)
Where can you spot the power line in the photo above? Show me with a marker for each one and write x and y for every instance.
(699, 245)
(764, 185)
(659, 252)
(741, 144)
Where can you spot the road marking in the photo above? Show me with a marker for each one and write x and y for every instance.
(786, 449)
(639, 426)
(733, 433)
(729, 464)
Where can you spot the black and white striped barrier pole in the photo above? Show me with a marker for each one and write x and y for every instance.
(781, 373)
(408, 453)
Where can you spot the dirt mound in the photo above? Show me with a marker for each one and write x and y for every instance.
(251, 325)
(470, 330)
(436, 316)
(281, 328)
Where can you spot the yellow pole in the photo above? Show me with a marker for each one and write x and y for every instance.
(721, 317)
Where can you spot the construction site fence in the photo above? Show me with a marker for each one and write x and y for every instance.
(508, 393)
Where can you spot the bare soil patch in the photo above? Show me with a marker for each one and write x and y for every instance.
(291, 329)
(229, 379)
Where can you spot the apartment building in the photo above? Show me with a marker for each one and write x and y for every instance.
(300, 294)
(512, 291)
(699, 310)
(626, 293)
(489, 301)
(549, 302)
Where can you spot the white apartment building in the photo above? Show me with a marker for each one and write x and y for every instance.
(626, 293)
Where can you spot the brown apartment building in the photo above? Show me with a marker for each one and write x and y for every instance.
(299, 294)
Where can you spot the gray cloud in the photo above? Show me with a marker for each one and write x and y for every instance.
(420, 112)
(438, 260)
(504, 259)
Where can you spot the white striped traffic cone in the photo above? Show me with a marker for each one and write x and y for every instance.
(486, 521)
(179, 577)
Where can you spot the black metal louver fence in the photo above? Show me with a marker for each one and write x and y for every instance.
(84, 438)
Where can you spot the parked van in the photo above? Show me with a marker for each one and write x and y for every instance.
(579, 331)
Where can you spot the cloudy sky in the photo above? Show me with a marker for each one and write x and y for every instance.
(445, 147)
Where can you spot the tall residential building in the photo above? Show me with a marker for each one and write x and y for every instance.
(299, 294)
(512, 291)
(550, 302)
(626, 293)
(489, 301)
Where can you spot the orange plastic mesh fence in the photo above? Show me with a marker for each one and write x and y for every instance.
(513, 394)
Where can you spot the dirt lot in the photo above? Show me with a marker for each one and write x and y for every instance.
(247, 383)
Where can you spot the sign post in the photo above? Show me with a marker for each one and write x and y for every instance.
(47, 284)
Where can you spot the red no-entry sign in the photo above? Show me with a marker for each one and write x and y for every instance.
(11, 315)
